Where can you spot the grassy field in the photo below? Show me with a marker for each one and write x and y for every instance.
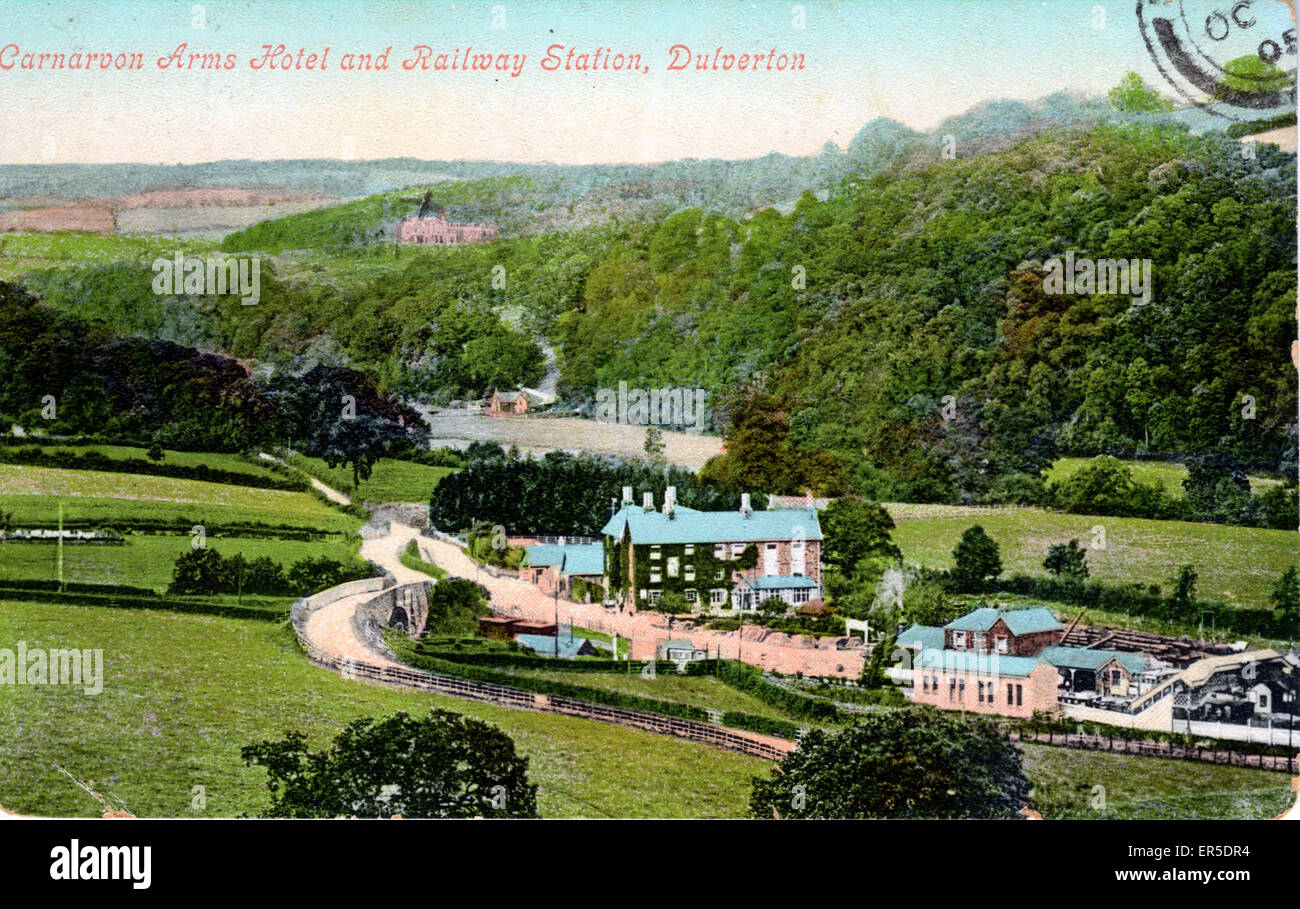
(146, 559)
(392, 480)
(182, 694)
(33, 495)
(1168, 474)
(216, 460)
(1234, 564)
(1064, 781)
(21, 253)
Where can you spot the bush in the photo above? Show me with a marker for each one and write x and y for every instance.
(750, 680)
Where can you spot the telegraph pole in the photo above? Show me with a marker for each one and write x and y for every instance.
(60, 546)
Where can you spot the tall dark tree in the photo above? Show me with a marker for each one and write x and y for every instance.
(439, 765)
(900, 764)
(1067, 560)
(978, 560)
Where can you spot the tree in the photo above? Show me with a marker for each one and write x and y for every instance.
(1067, 560)
(873, 668)
(199, 571)
(439, 765)
(1103, 486)
(1217, 488)
(855, 530)
(978, 559)
(155, 452)
(1184, 590)
(925, 602)
(1132, 95)
(654, 444)
(772, 609)
(672, 603)
(901, 764)
(1285, 597)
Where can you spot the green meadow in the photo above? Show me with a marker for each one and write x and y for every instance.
(33, 495)
(182, 694)
(1234, 564)
(391, 481)
(216, 460)
(1074, 783)
(146, 560)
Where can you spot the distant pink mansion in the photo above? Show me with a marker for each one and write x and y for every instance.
(430, 226)
(436, 230)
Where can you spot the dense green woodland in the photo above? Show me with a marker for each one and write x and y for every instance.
(927, 282)
(897, 328)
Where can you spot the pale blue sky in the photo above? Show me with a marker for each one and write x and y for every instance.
(916, 61)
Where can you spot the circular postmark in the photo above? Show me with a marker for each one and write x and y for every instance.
(1233, 58)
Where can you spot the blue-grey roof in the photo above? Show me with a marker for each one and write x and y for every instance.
(1019, 621)
(570, 558)
(1027, 621)
(1085, 658)
(691, 526)
(780, 582)
(544, 645)
(922, 637)
(975, 661)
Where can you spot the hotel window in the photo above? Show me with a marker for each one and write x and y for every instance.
(673, 566)
(737, 549)
(925, 683)
(720, 574)
(653, 595)
(1008, 694)
(654, 552)
(801, 596)
(717, 595)
(719, 550)
(980, 693)
(690, 549)
(692, 595)
(1114, 676)
(1002, 645)
(1019, 692)
(655, 576)
(979, 640)
(959, 640)
(952, 689)
(688, 572)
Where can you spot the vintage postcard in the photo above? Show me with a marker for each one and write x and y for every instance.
(813, 410)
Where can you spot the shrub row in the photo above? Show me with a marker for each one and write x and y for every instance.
(168, 604)
(524, 661)
(750, 680)
(558, 689)
(1138, 601)
(94, 460)
(411, 559)
(761, 724)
